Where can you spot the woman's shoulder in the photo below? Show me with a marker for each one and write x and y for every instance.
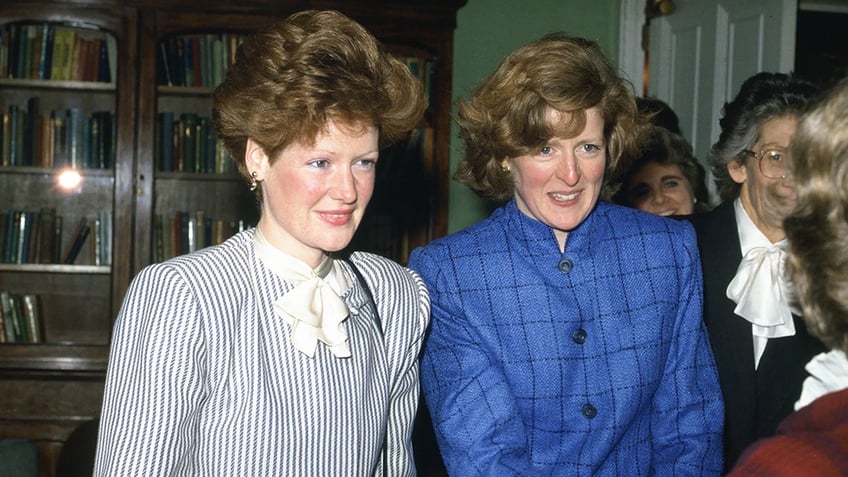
(483, 235)
(380, 269)
(218, 262)
(630, 220)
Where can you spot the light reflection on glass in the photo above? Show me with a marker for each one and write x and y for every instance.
(68, 179)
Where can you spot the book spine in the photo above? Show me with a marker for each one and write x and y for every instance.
(18, 320)
(8, 316)
(74, 132)
(77, 241)
(22, 248)
(32, 317)
(46, 236)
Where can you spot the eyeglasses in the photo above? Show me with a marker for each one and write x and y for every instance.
(772, 162)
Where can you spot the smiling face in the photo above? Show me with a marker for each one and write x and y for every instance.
(661, 189)
(313, 197)
(560, 183)
(767, 201)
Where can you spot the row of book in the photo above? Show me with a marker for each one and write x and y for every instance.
(37, 237)
(185, 232)
(20, 318)
(197, 60)
(201, 60)
(58, 138)
(188, 142)
(48, 51)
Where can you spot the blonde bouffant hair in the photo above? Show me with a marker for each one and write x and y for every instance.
(818, 229)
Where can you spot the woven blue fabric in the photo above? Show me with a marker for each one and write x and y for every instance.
(591, 362)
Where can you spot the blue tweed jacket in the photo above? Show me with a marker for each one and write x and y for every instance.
(591, 362)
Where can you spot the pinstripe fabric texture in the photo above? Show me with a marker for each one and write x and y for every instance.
(203, 380)
(592, 362)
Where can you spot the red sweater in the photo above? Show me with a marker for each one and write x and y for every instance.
(811, 442)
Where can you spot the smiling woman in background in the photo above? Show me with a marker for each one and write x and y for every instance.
(666, 179)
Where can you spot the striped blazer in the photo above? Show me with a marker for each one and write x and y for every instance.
(203, 380)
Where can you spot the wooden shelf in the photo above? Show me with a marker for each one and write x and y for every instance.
(47, 389)
(44, 358)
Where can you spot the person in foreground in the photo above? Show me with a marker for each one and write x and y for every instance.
(759, 341)
(567, 336)
(665, 179)
(265, 355)
(813, 441)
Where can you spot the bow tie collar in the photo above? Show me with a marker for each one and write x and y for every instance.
(761, 289)
(761, 292)
(313, 307)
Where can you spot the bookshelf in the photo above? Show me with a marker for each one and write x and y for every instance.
(138, 191)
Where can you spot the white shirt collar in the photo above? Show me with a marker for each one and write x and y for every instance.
(828, 374)
(760, 288)
(313, 307)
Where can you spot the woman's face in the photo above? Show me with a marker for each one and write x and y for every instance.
(559, 184)
(768, 201)
(314, 196)
(661, 189)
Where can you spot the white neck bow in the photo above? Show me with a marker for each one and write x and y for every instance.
(313, 307)
(761, 293)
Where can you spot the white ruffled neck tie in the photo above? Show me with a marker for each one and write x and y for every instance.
(761, 294)
(313, 307)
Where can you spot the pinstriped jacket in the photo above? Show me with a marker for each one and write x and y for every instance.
(591, 362)
(202, 378)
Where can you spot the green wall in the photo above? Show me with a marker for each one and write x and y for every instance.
(488, 30)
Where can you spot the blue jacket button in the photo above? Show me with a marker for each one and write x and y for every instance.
(565, 265)
(579, 336)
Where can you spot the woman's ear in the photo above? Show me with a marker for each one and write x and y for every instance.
(255, 157)
(738, 171)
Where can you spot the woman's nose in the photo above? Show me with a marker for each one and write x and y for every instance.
(344, 187)
(569, 171)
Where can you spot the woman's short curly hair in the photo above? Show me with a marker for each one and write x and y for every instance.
(762, 97)
(667, 148)
(507, 115)
(818, 229)
(291, 79)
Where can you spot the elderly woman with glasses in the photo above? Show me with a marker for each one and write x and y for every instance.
(759, 340)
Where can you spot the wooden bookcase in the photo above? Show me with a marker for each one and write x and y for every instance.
(48, 388)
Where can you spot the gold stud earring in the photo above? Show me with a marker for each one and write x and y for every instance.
(505, 166)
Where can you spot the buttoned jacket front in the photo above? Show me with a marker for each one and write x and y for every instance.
(591, 362)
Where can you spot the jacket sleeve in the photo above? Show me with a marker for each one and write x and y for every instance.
(405, 389)
(688, 410)
(403, 304)
(474, 414)
(153, 381)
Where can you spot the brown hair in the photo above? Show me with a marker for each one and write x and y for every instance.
(291, 79)
(668, 148)
(818, 229)
(506, 117)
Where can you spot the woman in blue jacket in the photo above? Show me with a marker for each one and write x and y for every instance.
(567, 336)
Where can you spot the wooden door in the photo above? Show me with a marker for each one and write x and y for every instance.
(701, 54)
